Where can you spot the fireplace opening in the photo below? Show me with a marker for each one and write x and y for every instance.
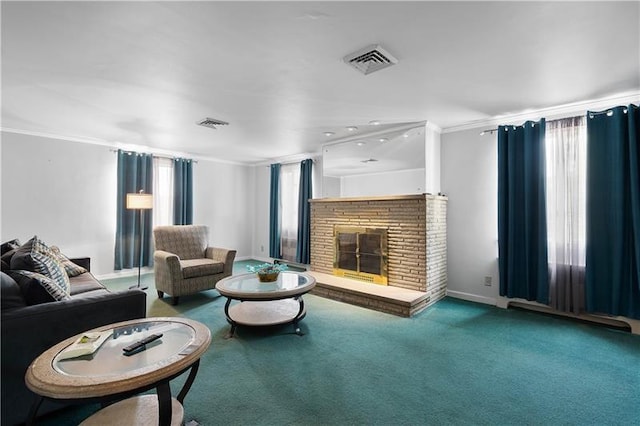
(361, 253)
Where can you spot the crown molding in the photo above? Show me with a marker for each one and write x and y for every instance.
(120, 145)
(551, 113)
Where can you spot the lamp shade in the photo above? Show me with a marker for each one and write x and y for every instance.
(139, 201)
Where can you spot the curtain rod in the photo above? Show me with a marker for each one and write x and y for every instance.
(590, 114)
(157, 156)
(291, 162)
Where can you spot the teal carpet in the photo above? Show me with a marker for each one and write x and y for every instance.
(457, 363)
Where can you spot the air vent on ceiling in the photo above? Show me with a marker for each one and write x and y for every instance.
(371, 58)
(370, 160)
(211, 122)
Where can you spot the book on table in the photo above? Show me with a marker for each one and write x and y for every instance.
(86, 344)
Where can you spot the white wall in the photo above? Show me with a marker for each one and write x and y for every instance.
(223, 199)
(261, 222)
(390, 183)
(65, 193)
(470, 180)
(330, 187)
(432, 163)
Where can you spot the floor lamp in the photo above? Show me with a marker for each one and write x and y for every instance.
(140, 201)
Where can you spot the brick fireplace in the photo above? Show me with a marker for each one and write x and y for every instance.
(416, 241)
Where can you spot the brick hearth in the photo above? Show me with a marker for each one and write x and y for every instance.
(417, 248)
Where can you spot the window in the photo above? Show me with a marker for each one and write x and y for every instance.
(162, 191)
(289, 188)
(566, 182)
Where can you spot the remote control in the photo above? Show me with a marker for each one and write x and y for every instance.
(137, 345)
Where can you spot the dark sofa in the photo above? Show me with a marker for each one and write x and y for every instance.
(29, 330)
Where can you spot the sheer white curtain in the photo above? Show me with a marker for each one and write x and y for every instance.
(289, 186)
(566, 161)
(162, 191)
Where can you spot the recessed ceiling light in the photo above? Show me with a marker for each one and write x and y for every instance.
(352, 128)
(383, 140)
(375, 122)
(406, 135)
(361, 143)
(327, 134)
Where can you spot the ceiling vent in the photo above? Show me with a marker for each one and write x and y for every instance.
(211, 122)
(371, 58)
(370, 160)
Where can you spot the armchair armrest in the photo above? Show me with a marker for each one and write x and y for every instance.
(222, 255)
(167, 269)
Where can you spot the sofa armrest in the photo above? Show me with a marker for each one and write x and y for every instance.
(55, 321)
(85, 262)
(27, 332)
(222, 255)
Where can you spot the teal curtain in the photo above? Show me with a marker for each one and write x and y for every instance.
(522, 226)
(303, 249)
(613, 212)
(135, 173)
(182, 191)
(274, 213)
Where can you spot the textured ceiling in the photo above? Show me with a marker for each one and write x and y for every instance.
(143, 73)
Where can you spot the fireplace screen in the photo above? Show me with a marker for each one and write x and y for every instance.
(361, 253)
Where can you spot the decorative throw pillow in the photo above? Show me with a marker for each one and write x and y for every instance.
(9, 245)
(37, 288)
(35, 256)
(71, 268)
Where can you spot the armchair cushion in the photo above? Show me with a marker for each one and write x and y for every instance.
(200, 267)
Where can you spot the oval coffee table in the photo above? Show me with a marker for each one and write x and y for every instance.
(108, 375)
(265, 303)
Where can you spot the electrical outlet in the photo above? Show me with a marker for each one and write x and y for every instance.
(261, 248)
(487, 281)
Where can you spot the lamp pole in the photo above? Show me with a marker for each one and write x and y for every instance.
(140, 201)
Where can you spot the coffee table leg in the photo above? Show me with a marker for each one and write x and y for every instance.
(164, 403)
(189, 382)
(298, 317)
(34, 410)
(229, 320)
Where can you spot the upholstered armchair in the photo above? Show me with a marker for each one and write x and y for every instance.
(183, 262)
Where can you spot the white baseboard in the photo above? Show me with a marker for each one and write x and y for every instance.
(615, 321)
(503, 302)
(125, 273)
(471, 297)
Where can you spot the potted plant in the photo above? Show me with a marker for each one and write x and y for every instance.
(267, 272)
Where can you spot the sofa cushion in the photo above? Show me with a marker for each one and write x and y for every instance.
(37, 288)
(200, 267)
(84, 283)
(36, 256)
(70, 268)
(11, 295)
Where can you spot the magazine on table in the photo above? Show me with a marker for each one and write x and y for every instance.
(86, 344)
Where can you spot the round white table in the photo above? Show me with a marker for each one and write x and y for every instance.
(265, 303)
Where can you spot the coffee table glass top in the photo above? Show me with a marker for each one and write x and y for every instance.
(248, 285)
(109, 359)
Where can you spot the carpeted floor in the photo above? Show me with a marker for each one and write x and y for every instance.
(457, 363)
